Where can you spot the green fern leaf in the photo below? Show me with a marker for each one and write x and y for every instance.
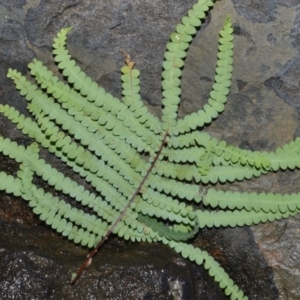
(220, 89)
(142, 170)
(167, 232)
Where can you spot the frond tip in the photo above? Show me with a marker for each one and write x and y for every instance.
(220, 89)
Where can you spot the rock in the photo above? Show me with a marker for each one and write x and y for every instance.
(38, 263)
(261, 114)
(40, 268)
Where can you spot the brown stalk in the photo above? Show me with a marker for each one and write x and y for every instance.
(90, 256)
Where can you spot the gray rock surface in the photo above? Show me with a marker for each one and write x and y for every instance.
(261, 114)
(262, 111)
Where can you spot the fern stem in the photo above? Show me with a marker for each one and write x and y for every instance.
(88, 260)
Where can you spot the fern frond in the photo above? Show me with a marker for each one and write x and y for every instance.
(177, 171)
(252, 201)
(41, 105)
(174, 188)
(174, 55)
(73, 223)
(166, 231)
(10, 184)
(162, 206)
(93, 92)
(286, 157)
(81, 160)
(235, 155)
(102, 208)
(106, 180)
(59, 215)
(186, 155)
(132, 99)
(214, 269)
(229, 173)
(186, 140)
(54, 211)
(142, 171)
(80, 109)
(238, 217)
(166, 213)
(218, 95)
(30, 158)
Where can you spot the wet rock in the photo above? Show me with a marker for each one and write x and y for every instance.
(37, 263)
(40, 267)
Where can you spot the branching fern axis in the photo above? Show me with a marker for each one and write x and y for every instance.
(146, 172)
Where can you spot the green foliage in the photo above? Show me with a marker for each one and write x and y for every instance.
(167, 232)
(143, 170)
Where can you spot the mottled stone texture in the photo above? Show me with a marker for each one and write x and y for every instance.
(261, 114)
(262, 111)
